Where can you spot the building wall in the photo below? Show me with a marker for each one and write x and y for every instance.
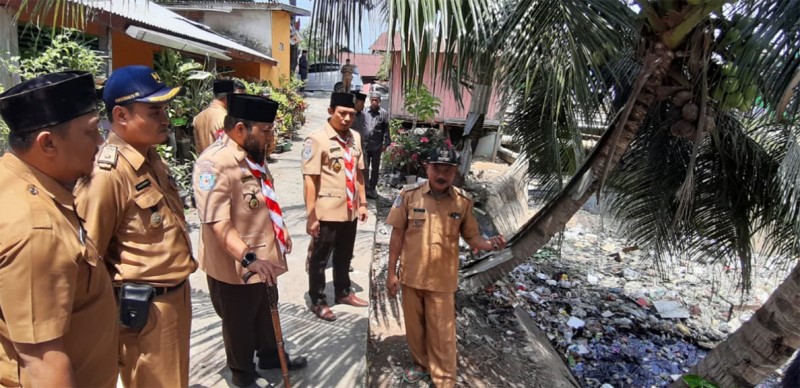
(251, 23)
(127, 51)
(449, 108)
(281, 48)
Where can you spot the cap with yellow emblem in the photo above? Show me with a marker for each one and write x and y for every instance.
(136, 84)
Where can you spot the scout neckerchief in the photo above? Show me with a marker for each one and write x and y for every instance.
(218, 133)
(349, 172)
(275, 214)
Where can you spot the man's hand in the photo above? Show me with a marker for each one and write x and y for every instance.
(392, 285)
(498, 242)
(263, 269)
(288, 244)
(312, 228)
(362, 213)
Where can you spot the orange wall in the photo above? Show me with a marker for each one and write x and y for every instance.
(280, 37)
(250, 71)
(126, 51)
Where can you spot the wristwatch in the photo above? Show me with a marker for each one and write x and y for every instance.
(248, 259)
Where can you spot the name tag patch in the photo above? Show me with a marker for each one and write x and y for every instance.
(143, 185)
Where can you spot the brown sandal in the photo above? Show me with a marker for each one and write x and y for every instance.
(324, 312)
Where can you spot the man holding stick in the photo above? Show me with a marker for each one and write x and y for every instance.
(243, 231)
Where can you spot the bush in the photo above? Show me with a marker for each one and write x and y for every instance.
(410, 148)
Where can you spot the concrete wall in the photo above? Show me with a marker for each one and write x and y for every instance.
(127, 51)
(281, 48)
(253, 24)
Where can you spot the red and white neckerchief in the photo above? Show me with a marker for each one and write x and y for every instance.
(275, 214)
(349, 172)
(218, 133)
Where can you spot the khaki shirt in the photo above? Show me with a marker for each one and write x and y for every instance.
(430, 243)
(225, 189)
(206, 125)
(347, 69)
(322, 154)
(134, 214)
(51, 285)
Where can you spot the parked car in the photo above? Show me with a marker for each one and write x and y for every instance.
(327, 77)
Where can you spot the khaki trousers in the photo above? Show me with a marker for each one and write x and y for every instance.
(430, 319)
(158, 355)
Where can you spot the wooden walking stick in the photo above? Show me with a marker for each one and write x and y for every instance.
(272, 297)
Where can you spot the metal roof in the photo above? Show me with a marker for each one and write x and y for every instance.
(228, 6)
(148, 13)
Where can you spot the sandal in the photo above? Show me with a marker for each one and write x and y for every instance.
(414, 374)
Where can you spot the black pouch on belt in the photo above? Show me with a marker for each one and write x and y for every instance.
(134, 304)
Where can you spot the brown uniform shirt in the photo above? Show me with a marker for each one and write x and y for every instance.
(207, 123)
(322, 154)
(51, 285)
(430, 244)
(134, 214)
(225, 189)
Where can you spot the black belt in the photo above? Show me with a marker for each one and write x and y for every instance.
(163, 290)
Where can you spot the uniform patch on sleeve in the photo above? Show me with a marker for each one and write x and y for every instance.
(206, 181)
(308, 152)
(398, 201)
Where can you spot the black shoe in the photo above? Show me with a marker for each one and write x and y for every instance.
(242, 379)
(294, 363)
(271, 160)
(371, 194)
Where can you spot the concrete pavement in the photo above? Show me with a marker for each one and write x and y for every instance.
(336, 351)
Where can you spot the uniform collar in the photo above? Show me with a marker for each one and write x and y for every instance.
(238, 152)
(332, 134)
(134, 158)
(40, 180)
(426, 188)
(216, 104)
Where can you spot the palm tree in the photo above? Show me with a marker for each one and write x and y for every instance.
(688, 163)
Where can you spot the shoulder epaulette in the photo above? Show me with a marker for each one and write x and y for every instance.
(463, 193)
(108, 157)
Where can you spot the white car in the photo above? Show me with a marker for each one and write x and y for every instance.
(327, 77)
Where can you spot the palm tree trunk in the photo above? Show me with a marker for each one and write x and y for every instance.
(761, 345)
(554, 215)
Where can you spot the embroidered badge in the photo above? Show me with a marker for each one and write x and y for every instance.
(398, 201)
(455, 216)
(253, 203)
(156, 219)
(206, 181)
(337, 166)
(308, 152)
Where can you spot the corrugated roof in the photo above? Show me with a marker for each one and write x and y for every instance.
(227, 6)
(148, 13)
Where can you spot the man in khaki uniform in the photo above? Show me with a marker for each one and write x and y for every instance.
(243, 230)
(347, 76)
(427, 220)
(208, 124)
(57, 312)
(335, 198)
(134, 214)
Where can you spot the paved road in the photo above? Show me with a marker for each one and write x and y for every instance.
(335, 350)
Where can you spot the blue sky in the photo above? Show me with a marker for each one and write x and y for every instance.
(371, 27)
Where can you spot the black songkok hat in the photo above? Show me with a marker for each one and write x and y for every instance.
(360, 96)
(253, 108)
(223, 86)
(48, 100)
(342, 99)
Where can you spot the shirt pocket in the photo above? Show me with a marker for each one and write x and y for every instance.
(331, 192)
(451, 225)
(148, 217)
(417, 222)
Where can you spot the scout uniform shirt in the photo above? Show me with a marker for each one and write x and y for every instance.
(135, 216)
(225, 189)
(430, 243)
(51, 285)
(208, 124)
(323, 155)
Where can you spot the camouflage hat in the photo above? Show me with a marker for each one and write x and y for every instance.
(444, 155)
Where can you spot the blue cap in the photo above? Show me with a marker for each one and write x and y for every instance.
(136, 84)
